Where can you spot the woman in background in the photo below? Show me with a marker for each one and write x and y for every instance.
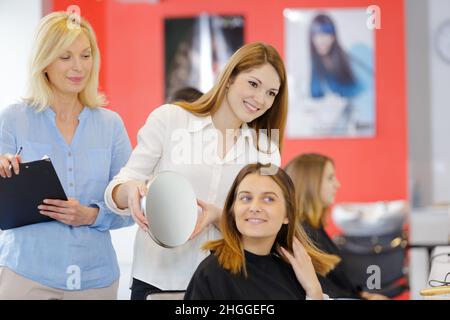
(316, 185)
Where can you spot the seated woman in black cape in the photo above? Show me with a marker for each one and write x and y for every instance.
(264, 253)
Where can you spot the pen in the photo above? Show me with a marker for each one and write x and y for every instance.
(17, 153)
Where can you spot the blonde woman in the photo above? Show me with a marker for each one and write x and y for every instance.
(316, 185)
(208, 141)
(71, 257)
(264, 253)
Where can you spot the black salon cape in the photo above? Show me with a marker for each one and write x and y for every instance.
(269, 278)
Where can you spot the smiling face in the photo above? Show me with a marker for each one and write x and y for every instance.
(260, 211)
(252, 92)
(69, 73)
(329, 185)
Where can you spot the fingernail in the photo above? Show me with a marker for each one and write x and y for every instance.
(45, 200)
(42, 212)
(40, 207)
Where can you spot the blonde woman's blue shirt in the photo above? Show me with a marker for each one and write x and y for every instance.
(52, 253)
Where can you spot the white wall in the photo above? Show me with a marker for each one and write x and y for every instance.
(18, 20)
(439, 11)
(428, 104)
(419, 106)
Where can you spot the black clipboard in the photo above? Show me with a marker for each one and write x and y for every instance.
(21, 194)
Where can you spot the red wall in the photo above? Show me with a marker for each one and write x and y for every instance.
(131, 42)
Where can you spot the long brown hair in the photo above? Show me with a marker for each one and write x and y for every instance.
(247, 57)
(306, 171)
(230, 251)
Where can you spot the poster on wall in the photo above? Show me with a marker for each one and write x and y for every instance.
(331, 73)
(197, 49)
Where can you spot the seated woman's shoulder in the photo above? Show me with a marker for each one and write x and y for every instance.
(210, 267)
(210, 261)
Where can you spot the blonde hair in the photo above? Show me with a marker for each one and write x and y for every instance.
(230, 251)
(306, 171)
(247, 57)
(55, 33)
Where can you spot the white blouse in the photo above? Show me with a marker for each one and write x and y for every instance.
(174, 139)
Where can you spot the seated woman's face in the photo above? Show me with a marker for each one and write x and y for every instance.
(259, 207)
(70, 72)
(329, 185)
(253, 92)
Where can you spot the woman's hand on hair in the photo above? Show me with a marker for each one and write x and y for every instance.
(304, 270)
(69, 212)
(9, 162)
(210, 214)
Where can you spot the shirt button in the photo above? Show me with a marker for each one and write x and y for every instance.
(69, 154)
(71, 184)
(70, 169)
